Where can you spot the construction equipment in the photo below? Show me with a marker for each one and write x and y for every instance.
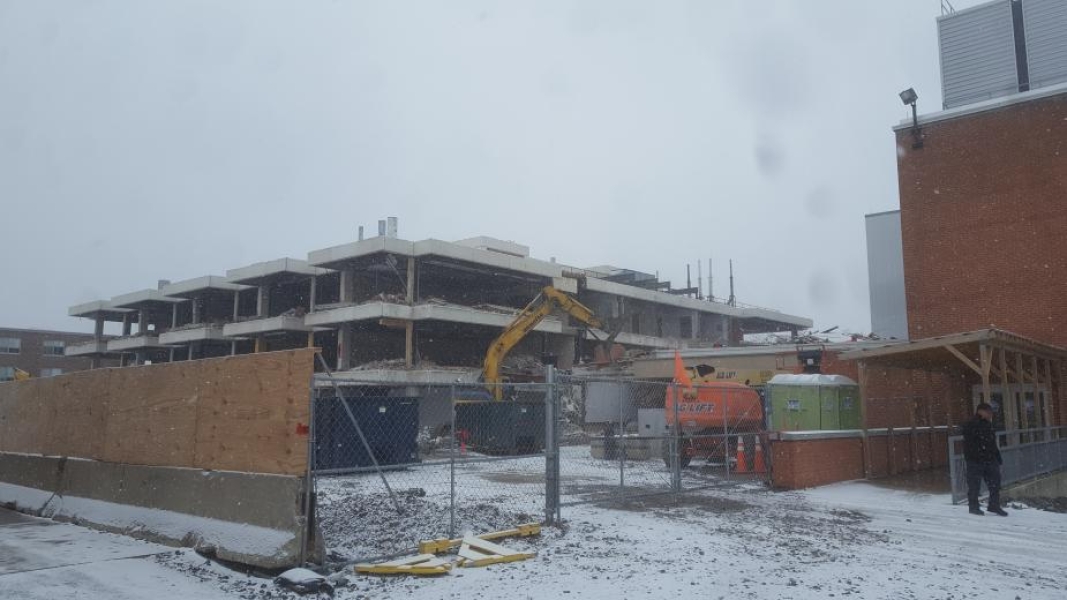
(710, 416)
(21, 375)
(543, 305)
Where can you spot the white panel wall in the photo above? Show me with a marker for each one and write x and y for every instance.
(885, 271)
(1046, 41)
(977, 54)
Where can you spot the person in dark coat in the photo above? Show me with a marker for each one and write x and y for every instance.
(983, 460)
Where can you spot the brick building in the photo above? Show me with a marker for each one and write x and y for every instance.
(983, 207)
(40, 352)
(983, 230)
(983, 245)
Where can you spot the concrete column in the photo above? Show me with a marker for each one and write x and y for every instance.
(197, 309)
(171, 357)
(233, 348)
(348, 285)
(259, 344)
(142, 322)
(409, 338)
(138, 358)
(126, 325)
(173, 315)
(412, 295)
(563, 347)
(344, 347)
(311, 296)
(263, 300)
(236, 304)
(98, 331)
(192, 351)
(725, 339)
(696, 325)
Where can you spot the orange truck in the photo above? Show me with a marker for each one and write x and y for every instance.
(711, 415)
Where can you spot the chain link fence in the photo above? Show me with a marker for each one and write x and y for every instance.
(393, 464)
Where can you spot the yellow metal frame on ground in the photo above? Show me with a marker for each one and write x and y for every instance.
(444, 545)
(477, 552)
(422, 564)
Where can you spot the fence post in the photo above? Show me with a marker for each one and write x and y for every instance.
(309, 484)
(675, 443)
(620, 450)
(726, 432)
(551, 447)
(452, 464)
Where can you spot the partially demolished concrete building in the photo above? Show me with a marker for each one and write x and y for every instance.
(389, 309)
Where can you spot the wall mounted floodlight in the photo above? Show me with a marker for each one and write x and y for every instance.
(909, 98)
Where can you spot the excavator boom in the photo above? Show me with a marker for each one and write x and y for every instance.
(548, 300)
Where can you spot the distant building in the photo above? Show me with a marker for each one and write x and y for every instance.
(885, 268)
(41, 353)
(412, 311)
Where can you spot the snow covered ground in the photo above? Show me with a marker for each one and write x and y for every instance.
(44, 560)
(736, 540)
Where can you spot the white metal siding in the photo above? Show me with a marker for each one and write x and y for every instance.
(1046, 41)
(885, 271)
(977, 54)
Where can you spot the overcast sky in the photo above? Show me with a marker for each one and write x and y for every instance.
(167, 139)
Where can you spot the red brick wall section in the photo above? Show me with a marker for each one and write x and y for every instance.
(814, 462)
(898, 397)
(983, 222)
(808, 463)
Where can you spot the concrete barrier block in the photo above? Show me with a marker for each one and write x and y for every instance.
(250, 518)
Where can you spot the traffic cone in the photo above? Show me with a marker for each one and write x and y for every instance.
(761, 465)
(741, 462)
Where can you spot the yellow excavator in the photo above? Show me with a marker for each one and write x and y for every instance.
(543, 305)
(21, 375)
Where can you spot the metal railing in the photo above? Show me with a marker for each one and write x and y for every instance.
(1028, 454)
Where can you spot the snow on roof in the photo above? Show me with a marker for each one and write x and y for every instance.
(810, 379)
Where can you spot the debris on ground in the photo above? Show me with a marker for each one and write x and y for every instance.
(303, 581)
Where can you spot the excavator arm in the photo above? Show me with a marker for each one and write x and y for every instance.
(548, 300)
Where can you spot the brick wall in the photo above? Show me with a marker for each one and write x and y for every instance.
(897, 397)
(809, 463)
(983, 222)
(813, 462)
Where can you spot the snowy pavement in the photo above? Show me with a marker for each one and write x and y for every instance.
(850, 540)
(44, 560)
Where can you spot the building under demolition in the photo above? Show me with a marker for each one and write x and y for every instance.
(396, 310)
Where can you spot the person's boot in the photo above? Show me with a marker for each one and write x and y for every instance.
(998, 511)
(976, 511)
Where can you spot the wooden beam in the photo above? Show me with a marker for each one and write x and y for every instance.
(963, 358)
(1049, 397)
(987, 366)
(863, 419)
(1006, 396)
(1022, 393)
